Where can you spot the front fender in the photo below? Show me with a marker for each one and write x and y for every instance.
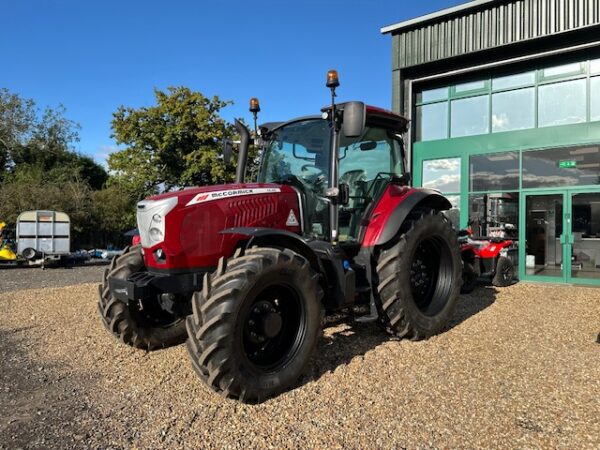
(269, 237)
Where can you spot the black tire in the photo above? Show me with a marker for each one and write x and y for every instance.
(469, 277)
(149, 329)
(229, 351)
(419, 277)
(505, 272)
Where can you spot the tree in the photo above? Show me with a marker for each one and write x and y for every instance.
(17, 116)
(45, 142)
(112, 212)
(175, 143)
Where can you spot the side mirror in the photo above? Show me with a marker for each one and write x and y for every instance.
(344, 196)
(354, 119)
(227, 150)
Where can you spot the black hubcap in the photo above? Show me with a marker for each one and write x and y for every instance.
(273, 328)
(423, 273)
(431, 275)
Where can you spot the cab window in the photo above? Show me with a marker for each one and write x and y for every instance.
(366, 164)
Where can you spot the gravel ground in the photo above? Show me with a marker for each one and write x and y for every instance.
(13, 279)
(519, 368)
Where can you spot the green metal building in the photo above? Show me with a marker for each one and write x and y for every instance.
(504, 102)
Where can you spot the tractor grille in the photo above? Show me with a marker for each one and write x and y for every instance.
(248, 212)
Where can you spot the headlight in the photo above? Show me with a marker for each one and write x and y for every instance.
(156, 235)
(151, 219)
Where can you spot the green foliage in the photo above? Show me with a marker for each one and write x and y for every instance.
(44, 142)
(175, 143)
(112, 211)
(30, 189)
(40, 170)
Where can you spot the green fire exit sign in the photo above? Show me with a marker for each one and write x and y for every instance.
(567, 164)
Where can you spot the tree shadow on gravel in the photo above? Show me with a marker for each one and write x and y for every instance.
(350, 339)
(40, 407)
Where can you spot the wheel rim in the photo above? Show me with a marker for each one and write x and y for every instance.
(273, 327)
(431, 275)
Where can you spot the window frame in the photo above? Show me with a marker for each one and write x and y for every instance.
(584, 72)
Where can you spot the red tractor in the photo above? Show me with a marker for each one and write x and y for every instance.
(246, 271)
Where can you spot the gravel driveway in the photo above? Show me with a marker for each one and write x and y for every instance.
(17, 278)
(519, 368)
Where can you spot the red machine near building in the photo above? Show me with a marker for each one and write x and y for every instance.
(492, 257)
(246, 271)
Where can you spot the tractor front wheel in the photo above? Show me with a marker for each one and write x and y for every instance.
(143, 326)
(255, 323)
(419, 276)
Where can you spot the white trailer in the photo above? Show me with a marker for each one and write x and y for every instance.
(43, 236)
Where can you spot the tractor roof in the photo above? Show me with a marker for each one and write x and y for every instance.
(375, 116)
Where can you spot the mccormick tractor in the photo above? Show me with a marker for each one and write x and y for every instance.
(246, 271)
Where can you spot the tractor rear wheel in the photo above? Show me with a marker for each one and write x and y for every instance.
(419, 276)
(148, 327)
(505, 272)
(255, 323)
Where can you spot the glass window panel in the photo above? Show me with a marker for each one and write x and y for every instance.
(595, 66)
(559, 167)
(453, 214)
(432, 95)
(513, 110)
(442, 174)
(586, 234)
(470, 116)
(494, 214)
(494, 172)
(562, 103)
(565, 69)
(595, 98)
(513, 81)
(432, 121)
(468, 87)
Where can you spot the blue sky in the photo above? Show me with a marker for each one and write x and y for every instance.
(93, 56)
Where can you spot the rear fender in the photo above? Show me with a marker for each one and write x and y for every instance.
(394, 207)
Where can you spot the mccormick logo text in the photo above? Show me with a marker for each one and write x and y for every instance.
(216, 195)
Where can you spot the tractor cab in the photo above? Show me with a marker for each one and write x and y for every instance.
(298, 153)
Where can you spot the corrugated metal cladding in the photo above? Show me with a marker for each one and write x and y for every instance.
(501, 23)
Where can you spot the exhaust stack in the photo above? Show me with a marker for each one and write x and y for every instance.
(240, 172)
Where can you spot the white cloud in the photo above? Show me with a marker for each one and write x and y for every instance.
(443, 164)
(445, 183)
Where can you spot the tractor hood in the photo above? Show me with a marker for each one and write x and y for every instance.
(183, 230)
(202, 194)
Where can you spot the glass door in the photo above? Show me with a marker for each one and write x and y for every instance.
(583, 224)
(545, 241)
